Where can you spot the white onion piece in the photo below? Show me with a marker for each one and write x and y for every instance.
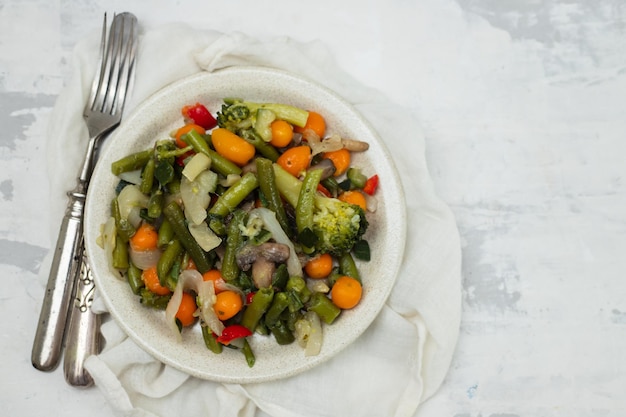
(318, 285)
(133, 177)
(294, 267)
(130, 198)
(191, 279)
(371, 201)
(197, 164)
(319, 145)
(107, 241)
(308, 332)
(134, 217)
(230, 180)
(205, 237)
(144, 259)
(195, 195)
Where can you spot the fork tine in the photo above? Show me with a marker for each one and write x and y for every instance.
(95, 85)
(127, 61)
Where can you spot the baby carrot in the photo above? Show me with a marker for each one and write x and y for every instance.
(231, 146)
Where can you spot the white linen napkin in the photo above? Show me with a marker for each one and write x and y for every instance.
(396, 364)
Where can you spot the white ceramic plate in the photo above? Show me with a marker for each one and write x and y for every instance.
(158, 116)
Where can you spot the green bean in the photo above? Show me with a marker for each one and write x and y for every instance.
(125, 229)
(279, 304)
(267, 184)
(150, 299)
(133, 274)
(210, 340)
(155, 204)
(306, 199)
(323, 307)
(282, 333)
(356, 177)
(147, 177)
(167, 260)
(166, 233)
(257, 308)
(298, 286)
(347, 266)
(291, 317)
(219, 164)
(230, 269)
(260, 145)
(280, 277)
(174, 214)
(120, 254)
(248, 353)
(235, 194)
(131, 162)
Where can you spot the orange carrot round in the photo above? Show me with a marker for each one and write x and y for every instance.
(145, 238)
(151, 280)
(295, 160)
(314, 122)
(340, 158)
(282, 133)
(319, 267)
(354, 197)
(186, 309)
(184, 130)
(346, 292)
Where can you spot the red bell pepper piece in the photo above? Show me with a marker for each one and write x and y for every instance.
(200, 115)
(232, 332)
(249, 297)
(370, 185)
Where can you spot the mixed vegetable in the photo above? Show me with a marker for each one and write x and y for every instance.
(246, 222)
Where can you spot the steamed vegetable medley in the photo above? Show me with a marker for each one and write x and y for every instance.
(246, 222)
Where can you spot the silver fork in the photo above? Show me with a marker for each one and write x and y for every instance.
(102, 113)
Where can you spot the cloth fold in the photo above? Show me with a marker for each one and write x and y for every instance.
(404, 355)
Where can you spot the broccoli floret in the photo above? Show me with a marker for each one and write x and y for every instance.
(336, 224)
(237, 114)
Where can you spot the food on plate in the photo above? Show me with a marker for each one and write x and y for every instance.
(247, 222)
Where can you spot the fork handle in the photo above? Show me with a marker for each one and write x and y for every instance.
(83, 336)
(48, 343)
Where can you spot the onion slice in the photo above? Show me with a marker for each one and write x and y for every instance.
(191, 279)
(308, 331)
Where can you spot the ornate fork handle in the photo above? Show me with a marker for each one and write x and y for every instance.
(83, 335)
(48, 344)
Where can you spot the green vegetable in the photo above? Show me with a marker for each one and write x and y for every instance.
(219, 164)
(147, 177)
(267, 184)
(210, 340)
(347, 266)
(323, 307)
(279, 304)
(262, 147)
(356, 177)
(282, 333)
(235, 194)
(234, 239)
(237, 114)
(131, 162)
(133, 274)
(174, 214)
(257, 308)
(120, 254)
(167, 260)
(263, 122)
(248, 354)
(337, 225)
